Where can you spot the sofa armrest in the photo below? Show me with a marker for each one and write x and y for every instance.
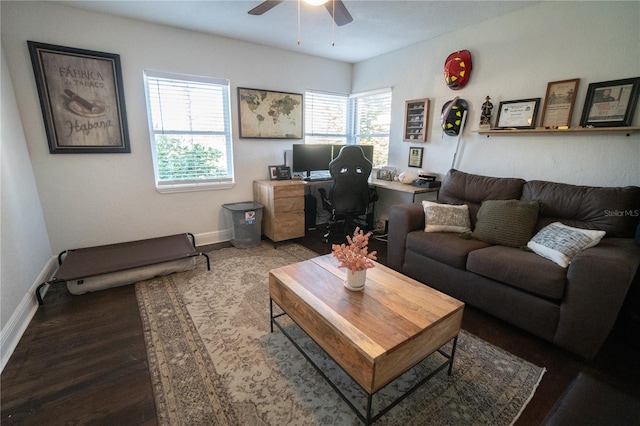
(597, 282)
(403, 218)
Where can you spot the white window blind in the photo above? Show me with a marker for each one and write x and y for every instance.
(326, 117)
(356, 119)
(189, 124)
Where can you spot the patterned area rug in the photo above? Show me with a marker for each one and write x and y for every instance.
(214, 361)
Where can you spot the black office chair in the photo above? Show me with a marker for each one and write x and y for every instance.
(350, 195)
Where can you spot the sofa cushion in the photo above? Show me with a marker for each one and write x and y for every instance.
(445, 247)
(440, 217)
(520, 269)
(506, 222)
(465, 188)
(615, 209)
(560, 243)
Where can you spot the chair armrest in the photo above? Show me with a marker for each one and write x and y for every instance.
(598, 280)
(403, 218)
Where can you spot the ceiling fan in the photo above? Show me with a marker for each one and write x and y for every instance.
(341, 16)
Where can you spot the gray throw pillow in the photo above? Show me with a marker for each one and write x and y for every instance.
(506, 222)
(445, 217)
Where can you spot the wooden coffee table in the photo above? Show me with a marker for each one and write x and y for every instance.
(375, 335)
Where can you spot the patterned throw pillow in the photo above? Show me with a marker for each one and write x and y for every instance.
(506, 222)
(446, 217)
(560, 243)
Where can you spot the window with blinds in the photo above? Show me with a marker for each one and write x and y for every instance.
(372, 119)
(326, 117)
(190, 129)
(350, 119)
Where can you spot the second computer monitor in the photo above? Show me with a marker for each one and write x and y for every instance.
(308, 158)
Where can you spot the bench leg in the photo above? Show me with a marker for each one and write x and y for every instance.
(207, 257)
(38, 295)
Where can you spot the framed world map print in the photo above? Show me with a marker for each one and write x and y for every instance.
(266, 114)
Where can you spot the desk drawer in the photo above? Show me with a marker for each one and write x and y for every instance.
(286, 191)
(288, 226)
(282, 205)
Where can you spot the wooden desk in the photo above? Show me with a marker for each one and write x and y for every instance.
(283, 201)
(401, 187)
(283, 212)
(385, 184)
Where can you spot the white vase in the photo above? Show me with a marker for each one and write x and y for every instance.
(355, 280)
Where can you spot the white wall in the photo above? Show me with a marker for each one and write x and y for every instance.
(92, 199)
(514, 57)
(25, 246)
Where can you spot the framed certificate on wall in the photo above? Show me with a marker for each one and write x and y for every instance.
(520, 114)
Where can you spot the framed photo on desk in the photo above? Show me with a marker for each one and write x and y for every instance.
(281, 172)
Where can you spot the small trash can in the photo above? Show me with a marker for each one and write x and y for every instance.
(247, 223)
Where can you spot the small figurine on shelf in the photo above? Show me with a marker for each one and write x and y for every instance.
(485, 115)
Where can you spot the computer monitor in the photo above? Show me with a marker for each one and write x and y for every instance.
(307, 158)
(367, 149)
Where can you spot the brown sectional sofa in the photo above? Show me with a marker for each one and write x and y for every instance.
(574, 307)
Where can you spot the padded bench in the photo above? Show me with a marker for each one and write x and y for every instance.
(113, 265)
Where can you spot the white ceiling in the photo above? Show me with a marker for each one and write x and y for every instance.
(378, 26)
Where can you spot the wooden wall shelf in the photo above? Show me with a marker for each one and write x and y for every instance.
(541, 131)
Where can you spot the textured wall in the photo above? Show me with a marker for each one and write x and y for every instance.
(514, 57)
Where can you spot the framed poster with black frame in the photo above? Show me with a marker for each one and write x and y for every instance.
(82, 99)
(610, 103)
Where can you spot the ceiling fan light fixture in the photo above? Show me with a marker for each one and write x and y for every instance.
(315, 2)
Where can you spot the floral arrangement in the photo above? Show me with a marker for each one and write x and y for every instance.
(355, 256)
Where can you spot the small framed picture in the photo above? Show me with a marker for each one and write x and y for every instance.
(415, 156)
(610, 103)
(273, 172)
(283, 173)
(520, 114)
(558, 103)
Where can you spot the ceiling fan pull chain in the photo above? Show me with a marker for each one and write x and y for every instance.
(299, 22)
(333, 23)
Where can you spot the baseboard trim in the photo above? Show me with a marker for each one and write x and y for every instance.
(213, 237)
(11, 334)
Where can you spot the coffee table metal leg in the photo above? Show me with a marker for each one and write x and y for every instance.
(272, 317)
(271, 313)
(453, 354)
(367, 418)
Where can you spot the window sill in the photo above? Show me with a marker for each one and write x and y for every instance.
(191, 187)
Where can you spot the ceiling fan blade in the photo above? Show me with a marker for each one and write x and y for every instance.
(264, 7)
(342, 15)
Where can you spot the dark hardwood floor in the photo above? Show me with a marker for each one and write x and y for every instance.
(82, 360)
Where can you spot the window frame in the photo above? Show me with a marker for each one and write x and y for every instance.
(187, 185)
(351, 125)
